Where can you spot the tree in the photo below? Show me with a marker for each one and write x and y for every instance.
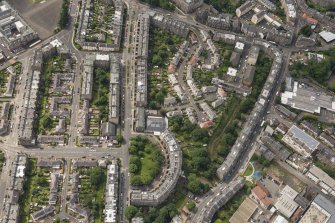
(46, 122)
(97, 177)
(191, 205)
(131, 211)
(64, 16)
(306, 30)
(119, 138)
(133, 168)
(136, 181)
(200, 135)
(195, 185)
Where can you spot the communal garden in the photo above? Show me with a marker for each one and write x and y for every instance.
(46, 123)
(36, 190)
(204, 78)
(5, 74)
(92, 191)
(145, 161)
(162, 47)
(100, 25)
(322, 72)
(100, 93)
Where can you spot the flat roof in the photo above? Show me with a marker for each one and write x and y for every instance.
(244, 212)
(286, 205)
(321, 211)
(308, 140)
(322, 176)
(327, 36)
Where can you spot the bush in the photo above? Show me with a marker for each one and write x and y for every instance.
(306, 30)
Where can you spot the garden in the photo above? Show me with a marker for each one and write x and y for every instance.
(99, 28)
(92, 191)
(145, 161)
(162, 47)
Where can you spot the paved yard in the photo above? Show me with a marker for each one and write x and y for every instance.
(41, 16)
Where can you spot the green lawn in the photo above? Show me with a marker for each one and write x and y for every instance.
(249, 170)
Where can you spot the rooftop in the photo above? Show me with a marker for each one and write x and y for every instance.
(244, 212)
(303, 137)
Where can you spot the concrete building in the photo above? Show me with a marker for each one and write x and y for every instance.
(290, 11)
(244, 8)
(224, 194)
(53, 189)
(282, 37)
(235, 58)
(307, 99)
(140, 119)
(156, 124)
(114, 88)
(89, 140)
(51, 139)
(258, 17)
(116, 27)
(300, 141)
(15, 31)
(253, 55)
(4, 117)
(191, 115)
(84, 163)
(188, 6)
(322, 179)
(285, 203)
(10, 85)
(327, 139)
(268, 4)
(160, 193)
(222, 21)
(249, 30)
(217, 103)
(11, 211)
(170, 24)
(38, 215)
(310, 128)
(321, 210)
(209, 112)
(108, 129)
(194, 89)
(261, 195)
(112, 193)
(248, 75)
(244, 212)
(54, 164)
(25, 133)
